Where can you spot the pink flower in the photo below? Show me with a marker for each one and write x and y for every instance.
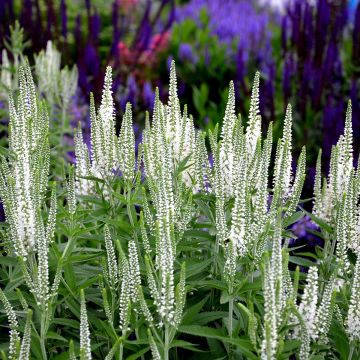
(127, 5)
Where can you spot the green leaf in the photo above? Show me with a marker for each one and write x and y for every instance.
(8, 260)
(56, 336)
(301, 261)
(197, 267)
(293, 218)
(340, 339)
(224, 298)
(66, 322)
(93, 178)
(138, 354)
(213, 284)
(243, 346)
(207, 317)
(185, 345)
(194, 310)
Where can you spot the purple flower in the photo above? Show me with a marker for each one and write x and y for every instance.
(26, 18)
(168, 62)
(144, 32)
(138, 136)
(89, 67)
(63, 16)
(77, 31)
(233, 22)
(116, 29)
(186, 53)
(2, 213)
(354, 96)
(356, 38)
(284, 26)
(303, 229)
(130, 92)
(353, 7)
(332, 127)
(51, 19)
(286, 78)
(94, 27)
(148, 95)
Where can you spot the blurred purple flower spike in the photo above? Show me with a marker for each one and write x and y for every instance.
(131, 92)
(287, 76)
(116, 28)
(144, 32)
(303, 229)
(356, 39)
(231, 21)
(64, 20)
(77, 31)
(26, 17)
(186, 53)
(51, 24)
(332, 127)
(148, 95)
(284, 26)
(94, 27)
(132, 88)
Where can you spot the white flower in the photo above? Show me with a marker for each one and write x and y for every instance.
(253, 130)
(85, 346)
(308, 305)
(353, 318)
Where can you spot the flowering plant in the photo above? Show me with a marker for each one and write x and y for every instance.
(163, 253)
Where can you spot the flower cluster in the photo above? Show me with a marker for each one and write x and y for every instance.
(108, 152)
(241, 170)
(238, 24)
(57, 85)
(168, 142)
(23, 186)
(24, 176)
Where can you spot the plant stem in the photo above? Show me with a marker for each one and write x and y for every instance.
(63, 125)
(166, 344)
(352, 348)
(231, 310)
(43, 331)
(121, 351)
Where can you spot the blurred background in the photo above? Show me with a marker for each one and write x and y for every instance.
(308, 53)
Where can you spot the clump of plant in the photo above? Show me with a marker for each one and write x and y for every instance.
(159, 252)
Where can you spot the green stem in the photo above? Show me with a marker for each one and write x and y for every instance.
(63, 118)
(132, 222)
(70, 237)
(121, 351)
(112, 308)
(63, 125)
(123, 336)
(166, 344)
(352, 348)
(43, 331)
(231, 310)
(137, 332)
(216, 256)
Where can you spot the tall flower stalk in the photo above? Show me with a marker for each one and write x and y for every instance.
(23, 186)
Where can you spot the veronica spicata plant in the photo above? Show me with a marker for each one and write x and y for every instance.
(23, 186)
(57, 85)
(158, 252)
